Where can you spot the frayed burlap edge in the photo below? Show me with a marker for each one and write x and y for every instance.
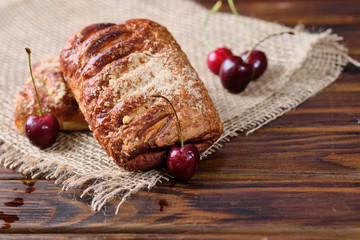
(103, 187)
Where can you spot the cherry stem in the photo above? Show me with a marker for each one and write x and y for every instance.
(213, 10)
(264, 39)
(33, 80)
(235, 12)
(177, 118)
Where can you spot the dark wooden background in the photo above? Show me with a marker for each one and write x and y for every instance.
(296, 178)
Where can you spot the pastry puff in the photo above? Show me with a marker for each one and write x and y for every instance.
(54, 95)
(115, 70)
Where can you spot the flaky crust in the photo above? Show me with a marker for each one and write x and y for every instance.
(114, 70)
(55, 97)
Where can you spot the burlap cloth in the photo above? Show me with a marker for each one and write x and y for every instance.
(299, 67)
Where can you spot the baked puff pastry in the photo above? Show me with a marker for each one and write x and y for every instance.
(115, 70)
(54, 95)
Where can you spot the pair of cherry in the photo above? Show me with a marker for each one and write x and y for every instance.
(237, 71)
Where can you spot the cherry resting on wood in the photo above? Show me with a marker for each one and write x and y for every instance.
(182, 161)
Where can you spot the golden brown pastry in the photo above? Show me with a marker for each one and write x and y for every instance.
(55, 97)
(114, 70)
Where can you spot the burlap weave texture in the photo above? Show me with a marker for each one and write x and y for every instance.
(300, 65)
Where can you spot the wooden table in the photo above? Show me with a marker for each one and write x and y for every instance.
(296, 178)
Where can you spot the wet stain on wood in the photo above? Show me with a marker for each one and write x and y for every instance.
(8, 218)
(17, 202)
(163, 203)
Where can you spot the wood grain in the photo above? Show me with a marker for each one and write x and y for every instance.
(296, 178)
(291, 12)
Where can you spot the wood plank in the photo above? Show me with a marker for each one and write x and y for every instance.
(290, 154)
(8, 174)
(153, 236)
(247, 207)
(343, 20)
(284, 151)
(130, 236)
(298, 12)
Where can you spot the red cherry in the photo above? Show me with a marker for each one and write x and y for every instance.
(258, 61)
(182, 162)
(235, 74)
(42, 131)
(216, 58)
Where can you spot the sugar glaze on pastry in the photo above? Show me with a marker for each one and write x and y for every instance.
(54, 95)
(114, 70)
